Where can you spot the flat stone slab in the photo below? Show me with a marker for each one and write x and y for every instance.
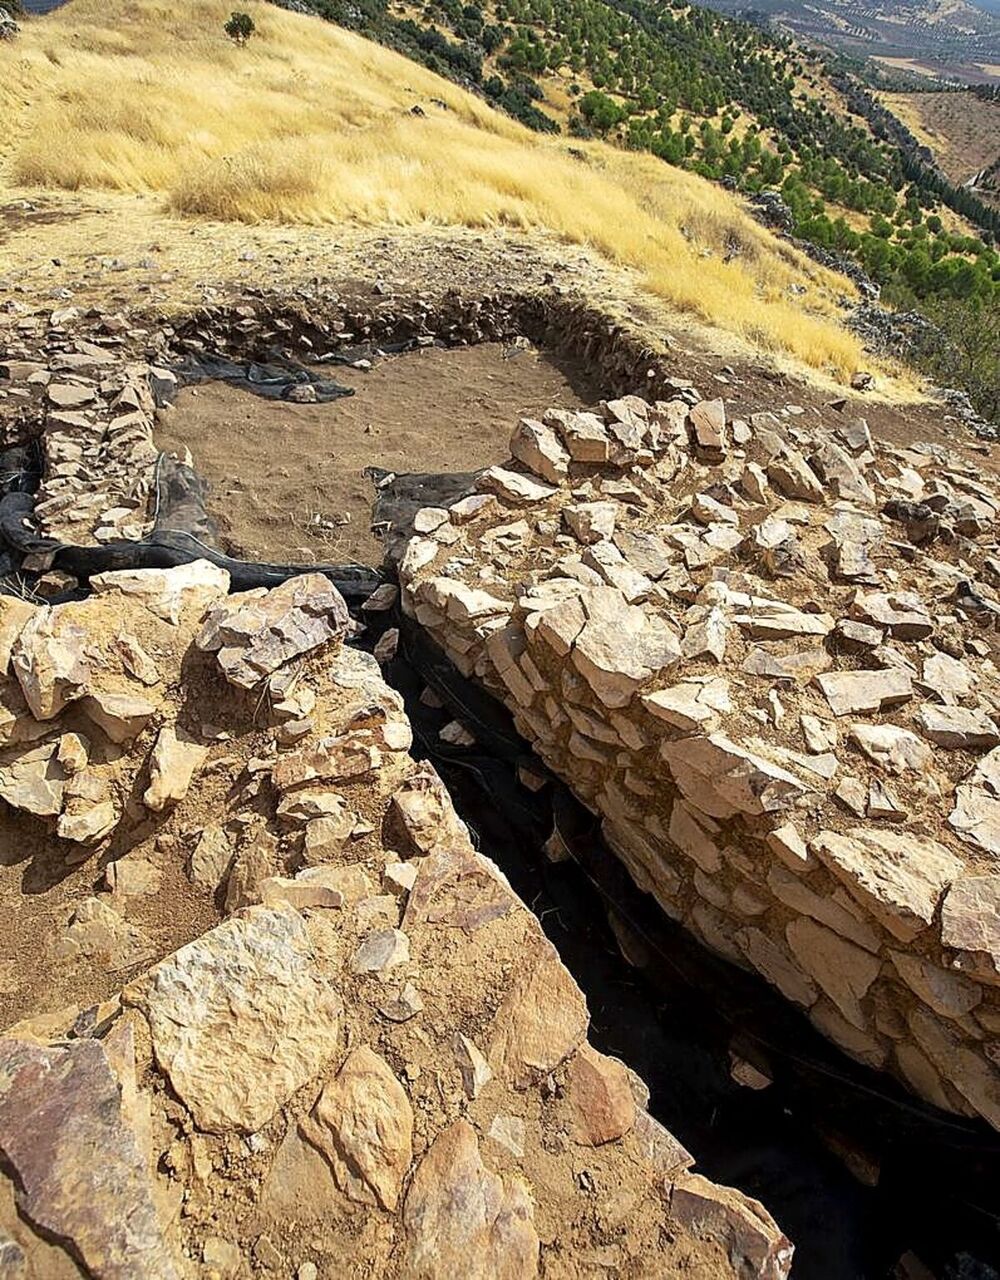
(855, 692)
(240, 1018)
(80, 1170)
(899, 878)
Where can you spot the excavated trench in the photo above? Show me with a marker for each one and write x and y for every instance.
(859, 1173)
(862, 1176)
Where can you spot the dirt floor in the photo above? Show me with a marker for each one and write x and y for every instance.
(284, 476)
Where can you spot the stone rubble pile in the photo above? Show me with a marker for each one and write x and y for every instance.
(764, 652)
(92, 410)
(372, 1062)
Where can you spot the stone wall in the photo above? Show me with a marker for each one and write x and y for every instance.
(94, 424)
(764, 653)
(86, 386)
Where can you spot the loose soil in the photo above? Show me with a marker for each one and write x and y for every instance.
(287, 481)
(285, 476)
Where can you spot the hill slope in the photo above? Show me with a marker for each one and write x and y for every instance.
(962, 129)
(742, 106)
(313, 124)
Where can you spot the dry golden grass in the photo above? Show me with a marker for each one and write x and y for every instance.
(311, 124)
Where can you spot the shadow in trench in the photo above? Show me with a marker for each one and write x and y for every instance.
(674, 1021)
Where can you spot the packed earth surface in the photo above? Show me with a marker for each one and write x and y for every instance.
(287, 480)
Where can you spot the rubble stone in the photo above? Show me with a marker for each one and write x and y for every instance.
(601, 1095)
(899, 878)
(957, 728)
(515, 487)
(539, 448)
(172, 766)
(120, 716)
(81, 1174)
(168, 593)
(855, 692)
(210, 858)
(461, 1219)
(591, 521)
(970, 923)
(742, 1227)
(49, 663)
(254, 635)
(541, 1021)
(363, 1124)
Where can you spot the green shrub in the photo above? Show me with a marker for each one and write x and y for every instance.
(240, 27)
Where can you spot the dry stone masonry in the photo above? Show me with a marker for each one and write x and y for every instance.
(369, 1059)
(87, 385)
(96, 441)
(764, 652)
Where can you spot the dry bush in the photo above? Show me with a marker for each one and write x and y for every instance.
(311, 124)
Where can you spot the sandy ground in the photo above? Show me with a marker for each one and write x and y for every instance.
(284, 476)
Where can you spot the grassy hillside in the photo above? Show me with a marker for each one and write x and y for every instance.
(716, 97)
(741, 106)
(310, 123)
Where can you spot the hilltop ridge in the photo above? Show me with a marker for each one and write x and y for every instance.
(310, 124)
(313, 125)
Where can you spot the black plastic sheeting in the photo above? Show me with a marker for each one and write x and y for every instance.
(674, 1021)
(274, 380)
(400, 495)
(182, 532)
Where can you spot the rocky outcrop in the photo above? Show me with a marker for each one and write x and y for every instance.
(366, 1056)
(763, 652)
(9, 30)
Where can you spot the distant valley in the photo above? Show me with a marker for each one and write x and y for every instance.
(950, 38)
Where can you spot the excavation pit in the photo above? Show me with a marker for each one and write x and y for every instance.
(801, 1182)
(287, 480)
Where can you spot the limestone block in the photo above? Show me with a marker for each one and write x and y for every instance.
(899, 878)
(240, 1018)
(363, 1123)
(970, 923)
(461, 1219)
(844, 971)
